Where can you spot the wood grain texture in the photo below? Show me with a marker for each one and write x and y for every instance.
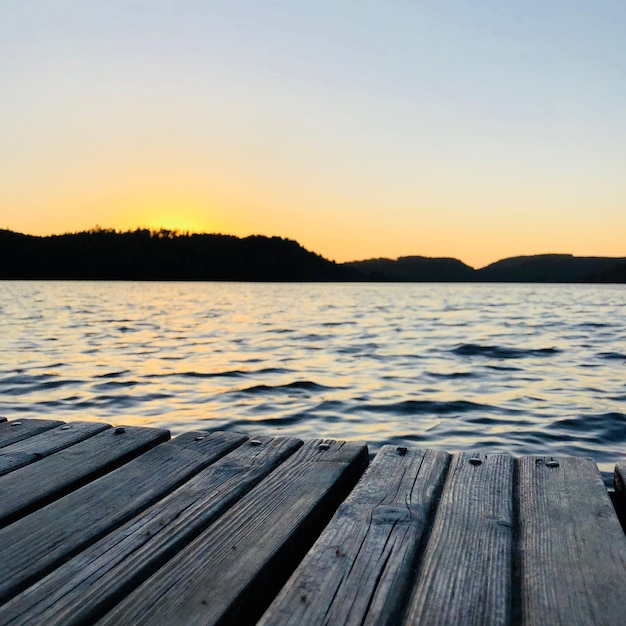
(51, 535)
(232, 571)
(212, 445)
(464, 576)
(359, 570)
(30, 487)
(17, 430)
(88, 585)
(34, 448)
(572, 548)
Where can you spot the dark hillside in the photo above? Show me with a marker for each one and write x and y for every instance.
(413, 269)
(163, 255)
(102, 254)
(615, 273)
(549, 268)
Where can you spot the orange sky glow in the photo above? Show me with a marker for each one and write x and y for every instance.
(359, 129)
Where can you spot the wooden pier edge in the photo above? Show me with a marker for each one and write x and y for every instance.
(126, 525)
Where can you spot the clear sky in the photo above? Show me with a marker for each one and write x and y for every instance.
(475, 129)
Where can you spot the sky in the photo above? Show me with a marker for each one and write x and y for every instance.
(476, 129)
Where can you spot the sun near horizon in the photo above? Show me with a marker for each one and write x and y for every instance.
(181, 224)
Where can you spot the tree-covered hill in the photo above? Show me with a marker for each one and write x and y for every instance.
(554, 268)
(142, 254)
(414, 269)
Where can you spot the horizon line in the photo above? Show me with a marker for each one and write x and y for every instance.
(185, 232)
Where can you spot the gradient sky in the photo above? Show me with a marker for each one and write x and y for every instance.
(474, 129)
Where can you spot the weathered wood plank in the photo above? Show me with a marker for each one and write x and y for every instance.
(16, 430)
(30, 487)
(210, 445)
(360, 569)
(464, 576)
(232, 571)
(49, 536)
(34, 448)
(572, 549)
(84, 588)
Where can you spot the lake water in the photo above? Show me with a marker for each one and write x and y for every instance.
(523, 369)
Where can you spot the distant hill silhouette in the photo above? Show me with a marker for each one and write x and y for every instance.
(554, 268)
(105, 254)
(413, 269)
(614, 274)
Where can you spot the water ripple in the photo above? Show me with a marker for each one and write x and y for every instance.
(419, 407)
(612, 356)
(300, 385)
(501, 352)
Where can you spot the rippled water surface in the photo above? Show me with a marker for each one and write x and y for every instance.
(522, 369)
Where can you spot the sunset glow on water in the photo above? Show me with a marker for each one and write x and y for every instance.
(523, 369)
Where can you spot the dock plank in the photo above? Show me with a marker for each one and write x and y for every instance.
(464, 576)
(232, 571)
(572, 548)
(37, 447)
(84, 588)
(12, 431)
(121, 526)
(32, 486)
(210, 445)
(51, 535)
(359, 570)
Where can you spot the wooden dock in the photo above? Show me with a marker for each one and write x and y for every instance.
(123, 525)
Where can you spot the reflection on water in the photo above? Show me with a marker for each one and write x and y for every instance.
(522, 369)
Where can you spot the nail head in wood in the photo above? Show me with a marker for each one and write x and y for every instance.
(324, 446)
(120, 430)
(255, 442)
(475, 461)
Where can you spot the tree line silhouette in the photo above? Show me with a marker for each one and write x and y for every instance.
(143, 254)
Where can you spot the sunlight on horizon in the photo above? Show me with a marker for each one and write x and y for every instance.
(177, 222)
